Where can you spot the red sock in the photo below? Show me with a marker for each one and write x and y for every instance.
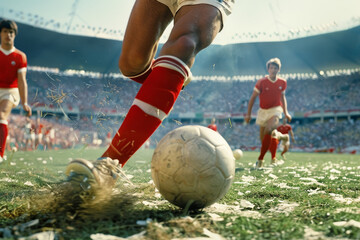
(264, 146)
(3, 136)
(273, 147)
(152, 104)
(140, 78)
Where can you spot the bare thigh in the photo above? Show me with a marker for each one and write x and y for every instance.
(147, 22)
(195, 27)
(5, 109)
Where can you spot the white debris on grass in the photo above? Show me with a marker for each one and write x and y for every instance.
(335, 171)
(47, 235)
(284, 207)
(350, 223)
(28, 183)
(210, 236)
(246, 204)
(223, 208)
(315, 191)
(246, 180)
(6, 179)
(154, 203)
(341, 199)
(310, 234)
(353, 210)
(144, 222)
(284, 185)
(215, 217)
(100, 236)
(273, 176)
(309, 181)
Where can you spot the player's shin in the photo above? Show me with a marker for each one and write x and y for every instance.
(264, 146)
(152, 104)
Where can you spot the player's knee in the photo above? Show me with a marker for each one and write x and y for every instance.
(133, 64)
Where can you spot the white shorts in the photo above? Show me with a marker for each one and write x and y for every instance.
(224, 6)
(11, 94)
(263, 115)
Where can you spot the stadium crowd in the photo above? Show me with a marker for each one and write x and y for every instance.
(99, 104)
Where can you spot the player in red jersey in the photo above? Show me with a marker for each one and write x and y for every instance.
(196, 24)
(285, 129)
(271, 92)
(13, 85)
(212, 125)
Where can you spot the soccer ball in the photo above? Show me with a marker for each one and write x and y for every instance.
(238, 154)
(193, 167)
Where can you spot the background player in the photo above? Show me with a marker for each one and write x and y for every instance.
(13, 85)
(196, 24)
(271, 92)
(286, 129)
(212, 125)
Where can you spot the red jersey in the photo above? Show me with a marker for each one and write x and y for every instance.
(270, 92)
(11, 63)
(213, 127)
(284, 129)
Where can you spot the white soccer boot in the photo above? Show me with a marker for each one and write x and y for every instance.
(102, 173)
(259, 164)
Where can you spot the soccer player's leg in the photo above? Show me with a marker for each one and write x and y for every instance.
(5, 109)
(138, 50)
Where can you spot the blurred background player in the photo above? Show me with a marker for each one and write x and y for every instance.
(271, 92)
(196, 24)
(13, 84)
(285, 129)
(212, 125)
(29, 135)
(38, 133)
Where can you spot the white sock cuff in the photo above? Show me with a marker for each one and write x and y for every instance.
(173, 63)
(5, 122)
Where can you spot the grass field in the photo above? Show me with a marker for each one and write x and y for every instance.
(311, 196)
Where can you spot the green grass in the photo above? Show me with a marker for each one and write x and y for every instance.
(311, 196)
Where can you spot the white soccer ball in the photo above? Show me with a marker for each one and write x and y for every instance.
(14, 149)
(193, 166)
(238, 154)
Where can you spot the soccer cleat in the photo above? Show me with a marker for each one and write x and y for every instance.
(259, 164)
(102, 173)
(274, 162)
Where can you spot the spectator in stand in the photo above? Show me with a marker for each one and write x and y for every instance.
(271, 92)
(13, 85)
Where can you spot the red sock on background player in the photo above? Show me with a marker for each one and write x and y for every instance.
(152, 104)
(3, 136)
(273, 147)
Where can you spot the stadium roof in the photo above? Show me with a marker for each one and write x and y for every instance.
(251, 21)
(323, 52)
